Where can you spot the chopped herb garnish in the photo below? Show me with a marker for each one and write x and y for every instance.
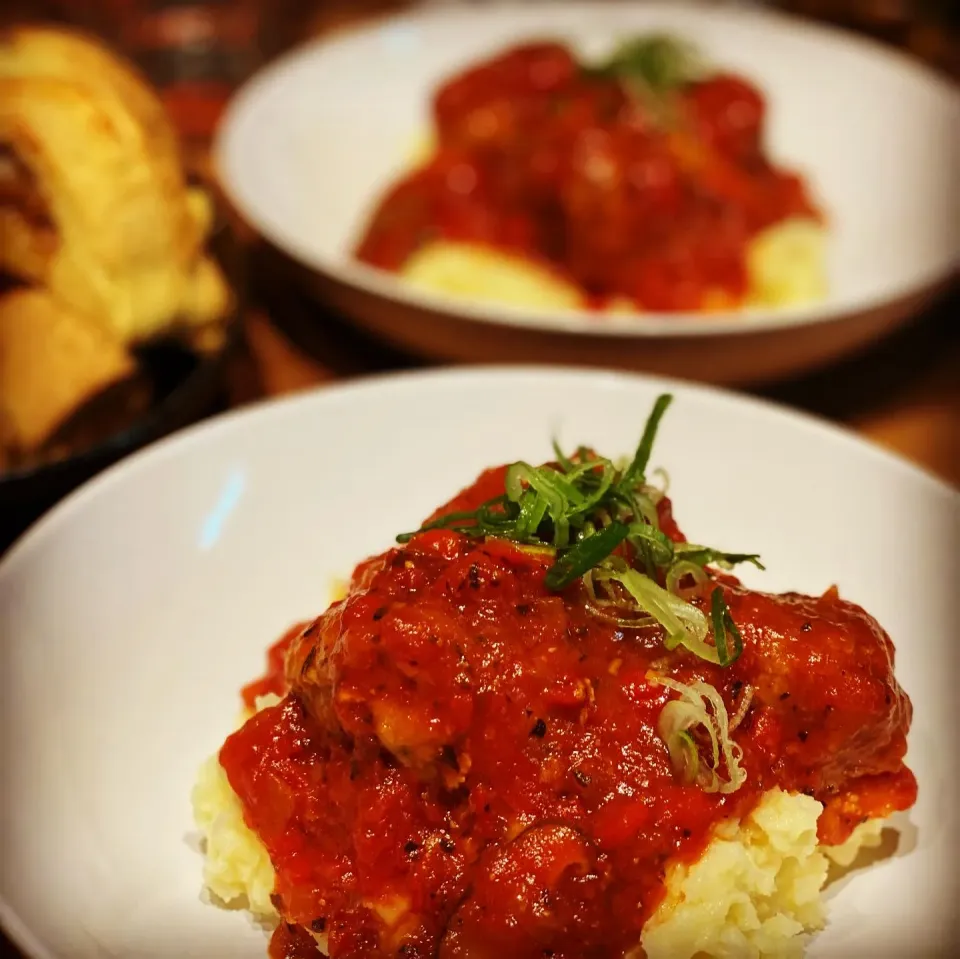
(704, 556)
(657, 62)
(585, 555)
(599, 523)
(699, 707)
(724, 628)
(636, 473)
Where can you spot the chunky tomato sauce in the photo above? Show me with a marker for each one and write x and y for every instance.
(464, 764)
(654, 202)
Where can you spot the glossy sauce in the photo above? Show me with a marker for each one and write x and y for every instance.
(655, 204)
(465, 764)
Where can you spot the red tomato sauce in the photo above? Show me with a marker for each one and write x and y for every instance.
(466, 764)
(538, 157)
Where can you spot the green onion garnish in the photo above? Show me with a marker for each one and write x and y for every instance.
(635, 473)
(585, 510)
(699, 707)
(705, 556)
(723, 625)
(654, 62)
(585, 555)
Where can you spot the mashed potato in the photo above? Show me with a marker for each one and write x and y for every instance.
(757, 888)
(786, 265)
(754, 893)
(236, 868)
(489, 276)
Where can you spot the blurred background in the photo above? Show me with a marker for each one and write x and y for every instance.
(275, 338)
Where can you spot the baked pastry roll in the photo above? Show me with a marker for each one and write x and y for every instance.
(93, 200)
(53, 362)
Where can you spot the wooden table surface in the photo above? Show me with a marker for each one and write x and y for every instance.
(904, 393)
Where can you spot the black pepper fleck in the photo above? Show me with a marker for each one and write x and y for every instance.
(784, 696)
(319, 924)
(447, 846)
(539, 729)
(522, 609)
(802, 735)
(806, 627)
(411, 846)
(380, 613)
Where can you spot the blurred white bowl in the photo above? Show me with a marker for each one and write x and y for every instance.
(309, 144)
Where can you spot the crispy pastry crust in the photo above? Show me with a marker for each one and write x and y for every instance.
(52, 362)
(93, 199)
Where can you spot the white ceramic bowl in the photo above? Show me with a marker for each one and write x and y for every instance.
(133, 613)
(309, 144)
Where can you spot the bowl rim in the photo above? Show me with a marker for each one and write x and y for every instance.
(182, 441)
(371, 281)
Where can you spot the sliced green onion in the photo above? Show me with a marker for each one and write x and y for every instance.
(557, 491)
(595, 484)
(659, 546)
(659, 62)
(585, 555)
(664, 478)
(447, 521)
(533, 508)
(640, 505)
(546, 481)
(683, 624)
(566, 464)
(700, 705)
(723, 628)
(634, 474)
(705, 556)
(684, 756)
(497, 516)
(679, 571)
(609, 609)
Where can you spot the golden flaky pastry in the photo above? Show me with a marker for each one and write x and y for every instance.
(52, 362)
(93, 200)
